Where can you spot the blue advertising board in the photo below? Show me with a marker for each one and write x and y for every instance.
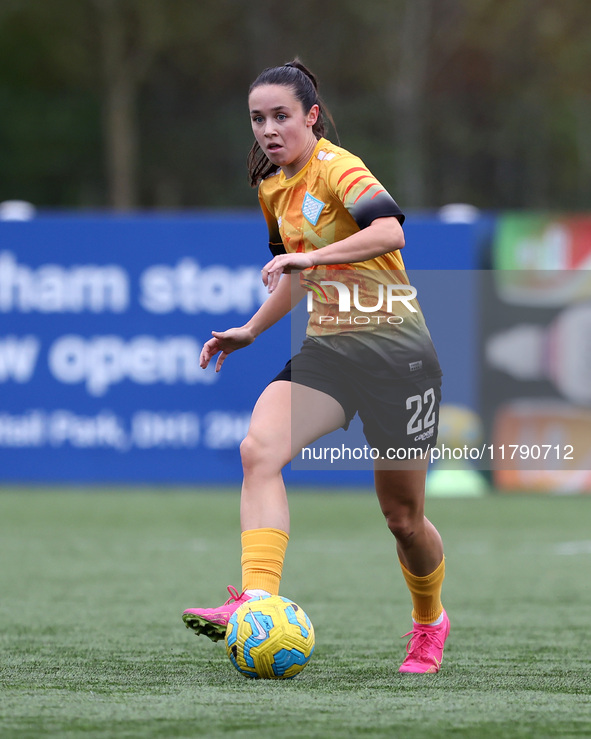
(102, 319)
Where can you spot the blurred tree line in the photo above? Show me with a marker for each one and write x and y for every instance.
(142, 103)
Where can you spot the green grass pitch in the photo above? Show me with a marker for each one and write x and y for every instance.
(93, 585)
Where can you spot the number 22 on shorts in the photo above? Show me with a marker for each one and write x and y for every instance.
(417, 404)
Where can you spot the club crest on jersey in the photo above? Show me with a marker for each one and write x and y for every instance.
(312, 208)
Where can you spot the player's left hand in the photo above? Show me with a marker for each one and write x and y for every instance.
(273, 270)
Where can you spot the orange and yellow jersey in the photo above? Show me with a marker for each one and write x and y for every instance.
(332, 197)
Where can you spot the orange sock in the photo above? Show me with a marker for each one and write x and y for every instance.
(426, 594)
(263, 552)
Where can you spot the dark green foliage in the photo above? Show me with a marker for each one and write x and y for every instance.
(480, 101)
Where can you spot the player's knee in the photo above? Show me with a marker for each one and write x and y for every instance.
(402, 524)
(255, 453)
(250, 451)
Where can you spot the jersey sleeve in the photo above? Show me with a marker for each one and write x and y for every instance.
(275, 242)
(361, 193)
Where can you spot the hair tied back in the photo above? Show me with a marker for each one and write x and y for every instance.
(297, 64)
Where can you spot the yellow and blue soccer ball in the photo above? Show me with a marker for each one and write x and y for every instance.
(270, 638)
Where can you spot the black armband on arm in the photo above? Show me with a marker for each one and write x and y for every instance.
(381, 206)
(277, 248)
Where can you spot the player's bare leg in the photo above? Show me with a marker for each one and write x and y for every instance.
(401, 494)
(286, 418)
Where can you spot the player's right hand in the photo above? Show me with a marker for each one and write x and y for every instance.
(224, 342)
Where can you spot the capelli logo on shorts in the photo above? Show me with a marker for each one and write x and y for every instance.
(425, 435)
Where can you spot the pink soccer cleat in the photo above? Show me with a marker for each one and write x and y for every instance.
(213, 622)
(425, 647)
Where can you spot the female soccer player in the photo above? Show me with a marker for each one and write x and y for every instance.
(333, 225)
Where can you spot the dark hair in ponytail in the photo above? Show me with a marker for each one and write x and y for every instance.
(305, 87)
